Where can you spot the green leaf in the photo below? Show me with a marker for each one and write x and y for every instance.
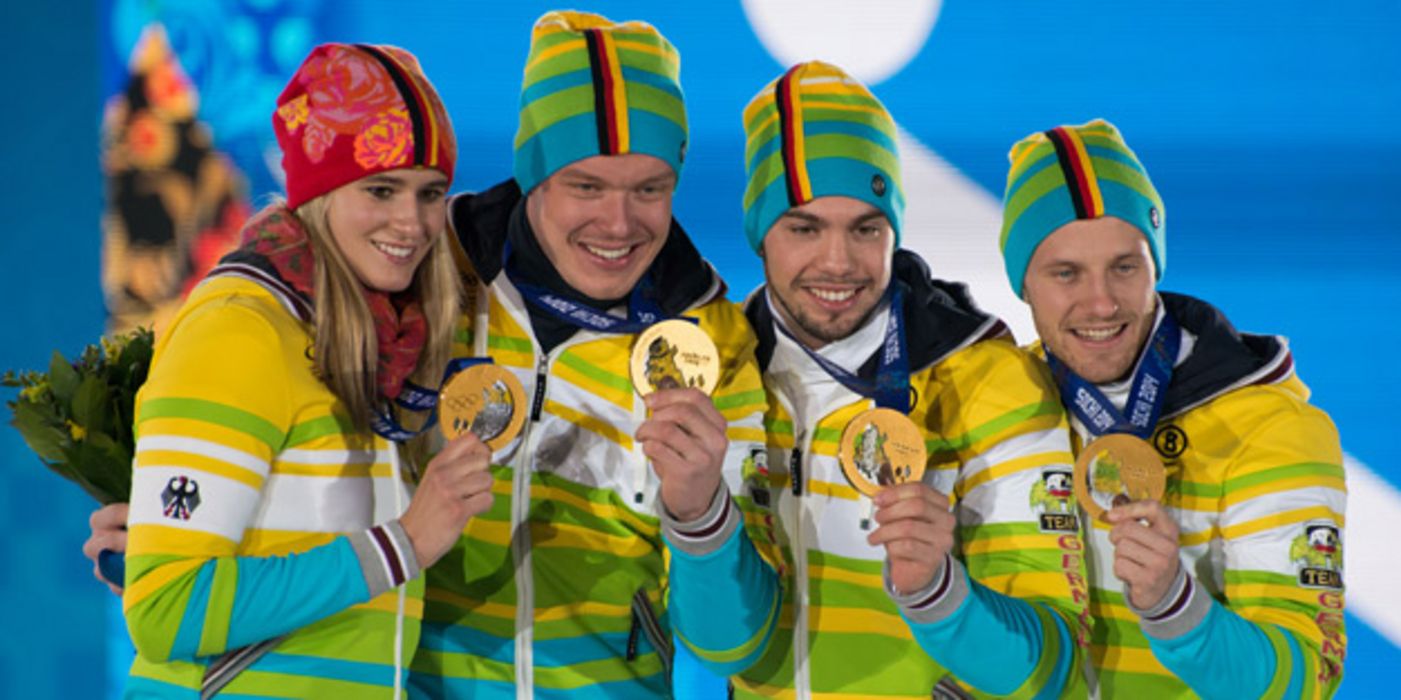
(121, 406)
(116, 466)
(66, 468)
(90, 408)
(63, 379)
(100, 474)
(135, 357)
(46, 439)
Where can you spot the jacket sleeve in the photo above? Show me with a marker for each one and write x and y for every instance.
(723, 594)
(1278, 632)
(1016, 583)
(212, 414)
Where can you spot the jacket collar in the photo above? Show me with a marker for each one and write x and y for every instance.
(1223, 359)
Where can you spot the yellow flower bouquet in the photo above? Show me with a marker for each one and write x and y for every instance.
(77, 417)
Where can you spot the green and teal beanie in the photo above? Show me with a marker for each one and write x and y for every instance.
(817, 132)
(1070, 173)
(593, 87)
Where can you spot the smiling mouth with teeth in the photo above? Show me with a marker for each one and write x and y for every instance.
(608, 253)
(832, 294)
(395, 251)
(1096, 334)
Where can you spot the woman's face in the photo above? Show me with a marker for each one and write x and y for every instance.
(384, 224)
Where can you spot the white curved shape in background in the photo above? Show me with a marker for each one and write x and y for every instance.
(1370, 569)
(870, 40)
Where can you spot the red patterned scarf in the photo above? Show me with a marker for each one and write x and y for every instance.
(277, 236)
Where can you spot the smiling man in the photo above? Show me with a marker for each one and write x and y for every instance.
(1231, 586)
(562, 589)
(601, 245)
(934, 585)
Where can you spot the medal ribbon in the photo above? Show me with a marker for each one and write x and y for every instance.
(891, 389)
(417, 399)
(1146, 396)
(642, 310)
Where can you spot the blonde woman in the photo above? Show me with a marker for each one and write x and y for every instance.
(273, 545)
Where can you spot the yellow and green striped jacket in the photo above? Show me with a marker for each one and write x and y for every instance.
(1255, 475)
(995, 430)
(538, 597)
(256, 512)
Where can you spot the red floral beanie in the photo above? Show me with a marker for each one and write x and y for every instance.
(356, 110)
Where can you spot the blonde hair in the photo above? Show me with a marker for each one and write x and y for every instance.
(346, 349)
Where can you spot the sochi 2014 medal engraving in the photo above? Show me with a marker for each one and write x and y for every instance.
(674, 354)
(1115, 469)
(486, 400)
(881, 447)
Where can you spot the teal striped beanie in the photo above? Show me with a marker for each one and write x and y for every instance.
(593, 87)
(1070, 173)
(817, 132)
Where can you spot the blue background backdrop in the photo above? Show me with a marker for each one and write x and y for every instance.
(1270, 129)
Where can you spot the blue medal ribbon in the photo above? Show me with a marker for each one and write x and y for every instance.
(891, 389)
(643, 311)
(1146, 395)
(417, 399)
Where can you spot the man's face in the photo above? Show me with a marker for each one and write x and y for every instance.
(1091, 288)
(828, 263)
(602, 220)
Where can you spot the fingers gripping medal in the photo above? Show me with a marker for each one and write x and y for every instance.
(1115, 469)
(674, 354)
(484, 399)
(881, 447)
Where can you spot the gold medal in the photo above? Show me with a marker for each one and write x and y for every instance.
(1115, 469)
(484, 399)
(881, 447)
(674, 354)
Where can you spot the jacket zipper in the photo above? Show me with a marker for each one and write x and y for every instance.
(802, 685)
(521, 544)
(795, 470)
(538, 402)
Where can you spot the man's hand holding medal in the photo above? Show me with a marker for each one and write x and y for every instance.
(883, 456)
(675, 366)
(1145, 550)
